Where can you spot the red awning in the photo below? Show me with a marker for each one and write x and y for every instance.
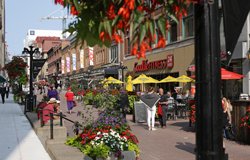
(227, 75)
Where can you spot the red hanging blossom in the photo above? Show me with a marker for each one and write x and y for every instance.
(73, 10)
(61, 2)
(161, 43)
(117, 38)
(111, 12)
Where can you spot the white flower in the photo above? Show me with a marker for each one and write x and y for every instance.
(92, 142)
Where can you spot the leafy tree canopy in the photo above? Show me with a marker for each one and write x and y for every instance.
(99, 22)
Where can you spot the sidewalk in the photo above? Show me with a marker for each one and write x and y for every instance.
(18, 140)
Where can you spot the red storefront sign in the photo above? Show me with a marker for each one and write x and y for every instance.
(160, 64)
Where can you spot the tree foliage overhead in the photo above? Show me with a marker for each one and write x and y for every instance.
(143, 21)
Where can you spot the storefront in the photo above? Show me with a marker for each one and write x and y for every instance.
(172, 60)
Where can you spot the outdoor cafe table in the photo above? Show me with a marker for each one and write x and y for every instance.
(239, 110)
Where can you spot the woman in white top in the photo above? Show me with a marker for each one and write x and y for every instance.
(150, 99)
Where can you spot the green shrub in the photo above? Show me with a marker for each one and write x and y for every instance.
(99, 151)
(134, 147)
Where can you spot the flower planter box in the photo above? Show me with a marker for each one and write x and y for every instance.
(127, 155)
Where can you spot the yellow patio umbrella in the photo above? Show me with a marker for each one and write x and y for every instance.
(184, 79)
(112, 80)
(141, 79)
(129, 85)
(168, 79)
(104, 83)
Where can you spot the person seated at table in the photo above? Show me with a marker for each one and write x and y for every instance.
(179, 96)
(170, 103)
(53, 106)
(186, 94)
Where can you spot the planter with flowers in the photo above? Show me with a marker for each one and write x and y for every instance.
(192, 113)
(245, 126)
(109, 137)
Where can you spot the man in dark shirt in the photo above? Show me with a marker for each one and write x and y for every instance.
(123, 101)
(2, 92)
(163, 102)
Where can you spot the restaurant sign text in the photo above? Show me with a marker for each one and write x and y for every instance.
(160, 64)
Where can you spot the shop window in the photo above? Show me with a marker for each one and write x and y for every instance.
(173, 32)
(113, 56)
(188, 23)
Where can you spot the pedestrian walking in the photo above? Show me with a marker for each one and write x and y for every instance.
(3, 92)
(7, 90)
(150, 99)
(163, 104)
(52, 93)
(69, 95)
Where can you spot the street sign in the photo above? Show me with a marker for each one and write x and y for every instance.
(37, 66)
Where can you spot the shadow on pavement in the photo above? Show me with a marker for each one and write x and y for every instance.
(186, 146)
(184, 126)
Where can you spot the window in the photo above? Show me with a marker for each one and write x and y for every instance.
(173, 32)
(114, 53)
(127, 50)
(100, 56)
(32, 32)
(188, 23)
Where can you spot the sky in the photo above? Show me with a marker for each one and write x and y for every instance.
(22, 15)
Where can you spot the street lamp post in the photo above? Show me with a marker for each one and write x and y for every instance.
(32, 52)
(122, 67)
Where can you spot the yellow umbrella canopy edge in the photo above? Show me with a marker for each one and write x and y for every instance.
(144, 79)
(168, 79)
(111, 80)
(184, 79)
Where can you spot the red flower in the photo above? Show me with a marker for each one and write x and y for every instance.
(117, 38)
(131, 4)
(101, 35)
(111, 12)
(140, 8)
(120, 24)
(61, 2)
(161, 43)
(124, 12)
(134, 50)
(73, 10)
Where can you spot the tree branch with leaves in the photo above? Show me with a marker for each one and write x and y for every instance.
(100, 22)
